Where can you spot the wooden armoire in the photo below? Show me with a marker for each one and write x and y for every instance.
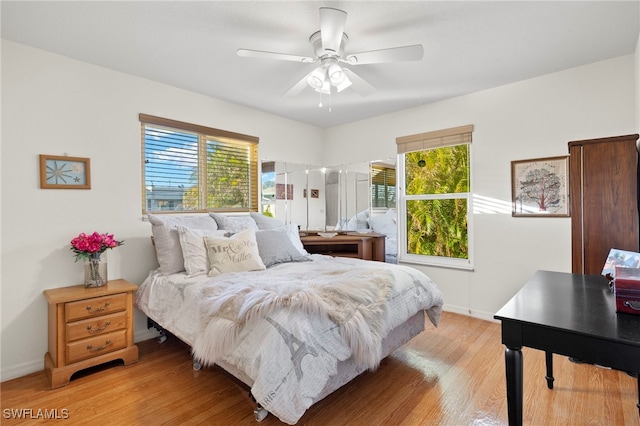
(604, 200)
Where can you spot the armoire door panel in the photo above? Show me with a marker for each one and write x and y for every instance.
(604, 199)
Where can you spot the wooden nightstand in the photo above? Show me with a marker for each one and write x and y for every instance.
(87, 327)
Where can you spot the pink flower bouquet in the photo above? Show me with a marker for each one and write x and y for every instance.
(92, 246)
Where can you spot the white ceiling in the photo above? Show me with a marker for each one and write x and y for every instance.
(468, 46)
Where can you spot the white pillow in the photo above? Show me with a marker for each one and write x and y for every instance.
(238, 253)
(294, 235)
(266, 222)
(234, 224)
(194, 251)
(385, 223)
(359, 221)
(167, 241)
(275, 247)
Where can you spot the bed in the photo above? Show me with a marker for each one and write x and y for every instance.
(292, 327)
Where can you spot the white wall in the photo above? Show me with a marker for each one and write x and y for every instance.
(54, 105)
(529, 119)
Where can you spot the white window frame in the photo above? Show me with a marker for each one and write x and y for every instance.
(402, 198)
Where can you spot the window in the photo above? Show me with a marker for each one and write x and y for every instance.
(191, 168)
(435, 198)
(383, 186)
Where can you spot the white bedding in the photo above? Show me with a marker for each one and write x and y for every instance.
(289, 354)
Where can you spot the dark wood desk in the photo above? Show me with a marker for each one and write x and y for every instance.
(566, 314)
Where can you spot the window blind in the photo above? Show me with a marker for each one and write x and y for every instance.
(188, 167)
(435, 139)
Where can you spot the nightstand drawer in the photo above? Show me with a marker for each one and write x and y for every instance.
(96, 306)
(94, 346)
(96, 326)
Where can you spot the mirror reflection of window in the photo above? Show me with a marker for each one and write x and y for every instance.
(383, 185)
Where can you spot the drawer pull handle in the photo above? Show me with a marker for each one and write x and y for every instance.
(90, 348)
(633, 305)
(99, 329)
(106, 305)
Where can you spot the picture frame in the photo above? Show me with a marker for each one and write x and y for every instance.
(540, 187)
(284, 191)
(64, 172)
(315, 193)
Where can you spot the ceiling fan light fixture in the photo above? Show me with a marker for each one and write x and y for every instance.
(343, 84)
(336, 74)
(329, 45)
(316, 78)
(325, 89)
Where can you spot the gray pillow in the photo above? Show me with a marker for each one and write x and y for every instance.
(275, 246)
(234, 224)
(266, 222)
(167, 241)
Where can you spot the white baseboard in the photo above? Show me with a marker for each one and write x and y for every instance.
(487, 316)
(147, 334)
(20, 370)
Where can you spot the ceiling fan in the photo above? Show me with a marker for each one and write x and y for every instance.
(329, 51)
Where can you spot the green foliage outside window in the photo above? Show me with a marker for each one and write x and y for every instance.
(437, 215)
(228, 177)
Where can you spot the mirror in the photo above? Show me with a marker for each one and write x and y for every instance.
(353, 197)
(348, 197)
(294, 193)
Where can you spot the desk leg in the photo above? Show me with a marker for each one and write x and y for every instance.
(513, 362)
(549, 376)
(638, 394)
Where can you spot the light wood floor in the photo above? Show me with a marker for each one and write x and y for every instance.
(452, 375)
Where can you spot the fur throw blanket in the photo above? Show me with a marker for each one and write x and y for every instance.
(354, 298)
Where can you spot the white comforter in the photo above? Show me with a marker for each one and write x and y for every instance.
(287, 328)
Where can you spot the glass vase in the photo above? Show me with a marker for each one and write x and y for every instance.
(95, 272)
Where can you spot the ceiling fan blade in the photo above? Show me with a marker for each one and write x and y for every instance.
(360, 85)
(394, 54)
(272, 55)
(332, 23)
(298, 87)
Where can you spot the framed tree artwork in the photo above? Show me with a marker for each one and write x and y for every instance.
(540, 187)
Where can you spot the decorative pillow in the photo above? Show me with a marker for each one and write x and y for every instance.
(385, 223)
(266, 222)
(167, 241)
(238, 253)
(275, 246)
(194, 251)
(294, 235)
(234, 224)
(359, 221)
